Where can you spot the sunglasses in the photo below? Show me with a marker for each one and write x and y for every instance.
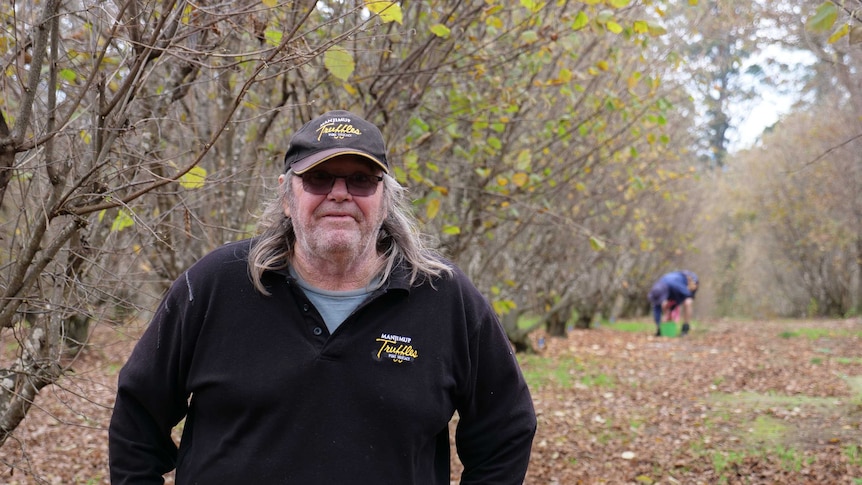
(358, 184)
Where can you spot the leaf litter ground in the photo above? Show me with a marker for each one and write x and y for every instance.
(734, 402)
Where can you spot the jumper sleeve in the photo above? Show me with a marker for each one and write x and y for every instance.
(150, 397)
(497, 421)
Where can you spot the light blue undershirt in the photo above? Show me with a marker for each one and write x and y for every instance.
(334, 306)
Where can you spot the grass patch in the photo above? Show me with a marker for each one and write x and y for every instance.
(768, 430)
(722, 460)
(855, 384)
(853, 454)
(540, 371)
(791, 458)
(630, 326)
(598, 380)
(818, 333)
(753, 400)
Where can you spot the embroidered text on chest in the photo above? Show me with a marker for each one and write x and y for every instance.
(396, 348)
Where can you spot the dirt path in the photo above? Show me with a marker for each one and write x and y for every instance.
(752, 402)
(755, 402)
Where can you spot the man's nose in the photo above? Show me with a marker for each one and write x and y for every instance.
(339, 188)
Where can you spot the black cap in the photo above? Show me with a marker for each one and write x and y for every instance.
(331, 134)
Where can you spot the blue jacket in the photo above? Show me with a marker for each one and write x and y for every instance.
(671, 286)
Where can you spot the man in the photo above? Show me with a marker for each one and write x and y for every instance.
(672, 291)
(332, 348)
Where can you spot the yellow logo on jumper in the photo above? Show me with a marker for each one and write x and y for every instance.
(340, 130)
(396, 348)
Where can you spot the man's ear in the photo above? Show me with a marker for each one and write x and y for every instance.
(283, 179)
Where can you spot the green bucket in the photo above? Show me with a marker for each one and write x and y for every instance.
(668, 329)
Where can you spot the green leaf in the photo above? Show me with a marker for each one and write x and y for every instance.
(68, 75)
(122, 221)
(194, 178)
(451, 230)
(524, 160)
(441, 30)
(529, 36)
(503, 307)
(532, 5)
(614, 27)
(387, 11)
(339, 62)
(273, 37)
(596, 244)
(581, 21)
(604, 17)
(618, 3)
(824, 18)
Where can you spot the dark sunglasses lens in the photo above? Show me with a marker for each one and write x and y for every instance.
(362, 185)
(321, 183)
(318, 183)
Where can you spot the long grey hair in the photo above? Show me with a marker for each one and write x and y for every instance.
(399, 238)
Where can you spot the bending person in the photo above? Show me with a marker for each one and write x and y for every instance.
(672, 292)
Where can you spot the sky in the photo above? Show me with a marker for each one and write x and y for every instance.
(772, 103)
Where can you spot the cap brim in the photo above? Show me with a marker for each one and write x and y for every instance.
(312, 161)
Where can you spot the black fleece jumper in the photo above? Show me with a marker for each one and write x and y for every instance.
(270, 397)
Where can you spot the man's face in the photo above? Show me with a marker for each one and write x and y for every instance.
(337, 224)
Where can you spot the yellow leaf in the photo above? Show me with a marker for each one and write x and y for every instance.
(269, 3)
(339, 62)
(187, 15)
(603, 65)
(494, 22)
(387, 11)
(194, 178)
(441, 30)
(520, 179)
(841, 32)
(502, 181)
(432, 209)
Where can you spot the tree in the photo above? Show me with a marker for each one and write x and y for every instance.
(127, 152)
(135, 136)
